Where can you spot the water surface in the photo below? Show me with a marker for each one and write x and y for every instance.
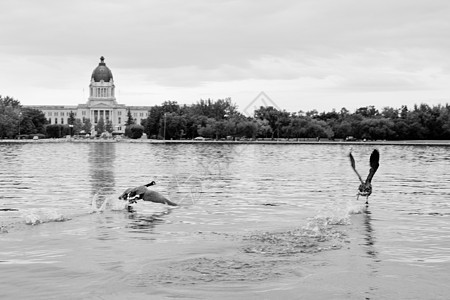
(254, 221)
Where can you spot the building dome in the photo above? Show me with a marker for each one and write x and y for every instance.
(102, 72)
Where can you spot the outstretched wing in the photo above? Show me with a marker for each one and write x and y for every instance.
(374, 163)
(352, 162)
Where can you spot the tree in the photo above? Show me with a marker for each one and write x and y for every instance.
(100, 128)
(9, 101)
(57, 130)
(71, 119)
(87, 125)
(134, 131)
(174, 126)
(130, 120)
(109, 126)
(270, 114)
(377, 129)
(10, 116)
(77, 126)
(32, 121)
(153, 121)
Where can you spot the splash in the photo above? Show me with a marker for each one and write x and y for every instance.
(321, 233)
(317, 236)
(39, 216)
(339, 213)
(109, 202)
(116, 204)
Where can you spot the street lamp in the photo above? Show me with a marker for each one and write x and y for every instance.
(164, 126)
(20, 117)
(71, 129)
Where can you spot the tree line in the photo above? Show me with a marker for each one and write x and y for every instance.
(220, 119)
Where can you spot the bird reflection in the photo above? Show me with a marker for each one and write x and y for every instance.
(145, 223)
(369, 238)
(370, 251)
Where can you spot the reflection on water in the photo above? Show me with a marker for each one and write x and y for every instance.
(250, 217)
(369, 237)
(101, 157)
(146, 223)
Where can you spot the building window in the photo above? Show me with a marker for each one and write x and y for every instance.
(56, 113)
(49, 120)
(49, 113)
(62, 120)
(141, 114)
(83, 113)
(135, 115)
(62, 114)
(120, 120)
(119, 113)
(56, 120)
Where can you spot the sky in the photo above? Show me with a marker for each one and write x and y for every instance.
(302, 54)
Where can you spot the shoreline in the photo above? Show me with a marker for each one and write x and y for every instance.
(444, 143)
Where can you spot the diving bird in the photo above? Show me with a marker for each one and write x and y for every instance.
(143, 193)
(365, 188)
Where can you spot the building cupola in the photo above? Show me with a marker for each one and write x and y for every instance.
(102, 86)
(102, 72)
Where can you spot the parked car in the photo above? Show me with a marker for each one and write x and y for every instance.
(350, 138)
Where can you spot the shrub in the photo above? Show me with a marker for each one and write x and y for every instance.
(134, 131)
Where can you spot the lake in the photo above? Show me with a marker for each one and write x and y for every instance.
(256, 221)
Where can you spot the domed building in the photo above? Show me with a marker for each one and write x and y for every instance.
(101, 104)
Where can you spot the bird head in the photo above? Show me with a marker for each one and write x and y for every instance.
(365, 189)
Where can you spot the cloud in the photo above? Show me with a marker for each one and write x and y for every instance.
(344, 46)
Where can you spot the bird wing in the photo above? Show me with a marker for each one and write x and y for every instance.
(374, 164)
(140, 190)
(125, 194)
(352, 162)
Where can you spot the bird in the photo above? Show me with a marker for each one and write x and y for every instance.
(143, 193)
(365, 188)
(136, 192)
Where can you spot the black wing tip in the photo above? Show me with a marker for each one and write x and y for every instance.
(352, 159)
(375, 158)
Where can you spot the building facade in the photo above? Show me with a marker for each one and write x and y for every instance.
(101, 104)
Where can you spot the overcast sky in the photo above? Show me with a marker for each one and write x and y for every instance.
(318, 54)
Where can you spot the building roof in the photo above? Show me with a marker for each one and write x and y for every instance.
(50, 107)
(102, 72)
